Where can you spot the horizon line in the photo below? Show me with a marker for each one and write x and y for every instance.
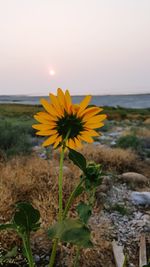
(28, 95)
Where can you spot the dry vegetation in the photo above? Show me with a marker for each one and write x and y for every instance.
(112, 159)
(138, 131)
(35, 180)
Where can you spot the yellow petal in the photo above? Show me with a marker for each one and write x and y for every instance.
(50, 140)
(90, 112)
(58, 140)
(77, 142)
(56, 105)
(49, 108)
(84, 103)
(42, 127)
(93, 125)
(75, 108)
(43, 120)
(68, 101)
(46, 132)
(46, 105)
(46, 116)
(61, 97)
(90, 132)
(71, 143)
(97, 119)
(86, 138)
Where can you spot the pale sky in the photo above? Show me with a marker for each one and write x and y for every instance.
(87, 46)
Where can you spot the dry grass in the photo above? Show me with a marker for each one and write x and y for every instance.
(35, 180)
(112, 159)
(143, 132)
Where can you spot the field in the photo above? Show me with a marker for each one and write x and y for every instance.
(29, 173)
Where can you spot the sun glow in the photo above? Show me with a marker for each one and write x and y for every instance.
(52, 72)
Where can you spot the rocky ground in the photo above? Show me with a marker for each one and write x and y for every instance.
(122, 218)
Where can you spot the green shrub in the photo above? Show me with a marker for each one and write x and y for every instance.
(14, 139)
(130, 141)
(121, 208)
(106, 127)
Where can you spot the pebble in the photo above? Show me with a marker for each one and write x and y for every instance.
(133, 178)
(141, 198)
(37, 258)
(126, 227)
(47, 258)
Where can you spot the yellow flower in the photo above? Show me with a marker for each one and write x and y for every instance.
(62, 117)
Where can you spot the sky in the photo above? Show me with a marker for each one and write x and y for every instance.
(86, 46)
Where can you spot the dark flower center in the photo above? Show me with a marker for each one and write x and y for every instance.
(69, 123)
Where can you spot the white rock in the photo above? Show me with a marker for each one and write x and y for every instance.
(140, 198)
(113, 143)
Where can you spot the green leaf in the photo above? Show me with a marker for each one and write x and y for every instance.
(71, 231)
(92, 175)
(26, 217)
(78, 159)
(84, 211)
(79, 236)
(147, 265)
(7, 226)
(9, 254)
(79, 191)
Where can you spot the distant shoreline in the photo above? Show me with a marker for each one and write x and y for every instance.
(124, 101)
(22, 95)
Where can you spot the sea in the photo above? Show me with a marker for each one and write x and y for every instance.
(127, 101)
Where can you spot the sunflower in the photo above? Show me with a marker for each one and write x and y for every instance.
(62, 119)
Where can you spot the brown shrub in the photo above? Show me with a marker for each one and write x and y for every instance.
(143, 132)
(36, 180)
(112, 159)
(33, 179)
(139, 131)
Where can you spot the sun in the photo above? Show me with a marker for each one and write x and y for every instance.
(52, 72)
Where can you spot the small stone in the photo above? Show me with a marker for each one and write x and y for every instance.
(47, 258)
(113, 143)
(133, 178)
(141, 198)
(147, 121)
(37, 258)
(146, 218)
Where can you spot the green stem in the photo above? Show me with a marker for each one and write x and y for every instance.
(71, 198)
(27, 247)
(53, 254)
(76, 260)
(92, 197)
(60, 185)
(60, 214)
